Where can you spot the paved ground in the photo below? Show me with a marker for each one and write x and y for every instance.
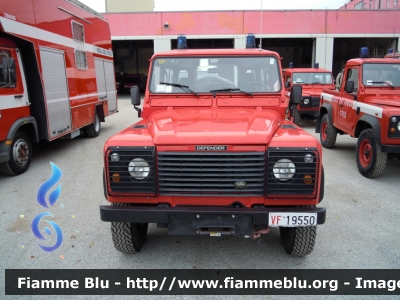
(360, 230)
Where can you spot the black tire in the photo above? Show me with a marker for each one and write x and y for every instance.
(93, 130)
(371, 161)
(328, 132)
(20, 155)
(128, 238)
(298, 241)
(296, 115)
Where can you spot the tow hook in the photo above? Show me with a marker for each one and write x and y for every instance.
(256, 234)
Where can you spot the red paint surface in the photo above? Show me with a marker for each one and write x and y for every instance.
(242, 22)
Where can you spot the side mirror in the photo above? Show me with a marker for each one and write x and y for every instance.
(135, 99)
(349, 87)
(287, 84)
(295, 94)
(9, 70)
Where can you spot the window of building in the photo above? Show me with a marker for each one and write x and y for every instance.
(359, 5)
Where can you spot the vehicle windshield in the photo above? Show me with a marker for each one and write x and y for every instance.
(312, 78)
(242, 74)
(381, 74)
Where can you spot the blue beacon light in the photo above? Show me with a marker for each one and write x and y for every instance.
(250, 41)
(182, 42)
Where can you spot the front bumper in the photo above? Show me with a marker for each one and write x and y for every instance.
(202, 220)
(4, 152)
(390, 148)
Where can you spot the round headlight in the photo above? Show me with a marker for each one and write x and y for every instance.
(138, 168)
(398, 126)
(114, 157)
(284, 169)
(306, 101)
(393, 119)
(308, 158)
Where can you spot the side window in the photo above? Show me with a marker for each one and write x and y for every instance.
(80, 60)
(78, 34)
(7, 79)
(352, 75)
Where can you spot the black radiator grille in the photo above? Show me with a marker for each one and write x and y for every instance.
(315, 101)
(211, 173)
(127, 183)
(296, 185)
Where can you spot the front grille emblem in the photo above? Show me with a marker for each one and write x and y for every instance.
(240, 184)
(211, 148)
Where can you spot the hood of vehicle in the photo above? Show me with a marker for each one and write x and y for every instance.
(314, 91)
(384, 101)
(213, 126)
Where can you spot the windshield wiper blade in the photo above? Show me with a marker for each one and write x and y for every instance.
(382, 82)
(231, 90)
(181, 86)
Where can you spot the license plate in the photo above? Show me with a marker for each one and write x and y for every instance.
(292, 219)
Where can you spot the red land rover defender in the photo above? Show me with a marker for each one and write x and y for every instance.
(214, 154)
(314, 81)
(367, 107)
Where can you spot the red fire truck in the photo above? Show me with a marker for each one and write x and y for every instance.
(215, 153)
(56, 76)
(314, 81)
(367, 107)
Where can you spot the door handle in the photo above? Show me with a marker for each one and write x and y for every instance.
(102, 98)
(18, 96)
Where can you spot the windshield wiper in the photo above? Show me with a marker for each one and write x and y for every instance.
(382, 82)
(231, 90)
(181, 86)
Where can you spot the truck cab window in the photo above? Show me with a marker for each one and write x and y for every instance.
(352, 75)
(7, 75)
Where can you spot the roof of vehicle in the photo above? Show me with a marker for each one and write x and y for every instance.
(214, 52)
(305, 70)
(359, 61)
(393, 55)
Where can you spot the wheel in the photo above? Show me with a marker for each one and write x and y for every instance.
(328, 132)
(298, 241)
(20, 155)
(255, 86)
(128, 237)
(296, 116)
(93, 130)
(371, 161)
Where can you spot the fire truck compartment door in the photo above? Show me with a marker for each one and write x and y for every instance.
(106, 83)
(56, 91)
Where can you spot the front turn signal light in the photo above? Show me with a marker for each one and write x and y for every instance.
(116, 177)
(307, 179)
(392, 130)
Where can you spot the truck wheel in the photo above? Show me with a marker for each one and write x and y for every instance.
(296, 116)
(20, 155)
(298, 241)
(93, 130)
(371, 161)
(328, 132)
(128, 237)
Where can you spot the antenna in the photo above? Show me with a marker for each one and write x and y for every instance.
(260, 46)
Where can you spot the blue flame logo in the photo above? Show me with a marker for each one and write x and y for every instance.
(41, 199)
(47, 185)
(38, 234)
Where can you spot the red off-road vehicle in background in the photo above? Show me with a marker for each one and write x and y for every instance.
(367, 107)
(214, 154)
(314, 81)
